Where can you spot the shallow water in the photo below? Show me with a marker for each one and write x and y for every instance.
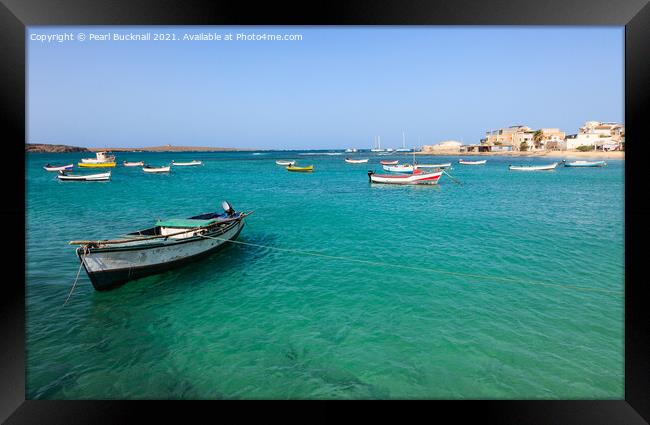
(512, 287)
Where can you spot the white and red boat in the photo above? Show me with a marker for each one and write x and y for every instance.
(399, 168)
(417, 177)
(389, 162)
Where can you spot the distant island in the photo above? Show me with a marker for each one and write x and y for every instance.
(45, 148)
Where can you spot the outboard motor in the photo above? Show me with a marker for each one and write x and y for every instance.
(370, 173)
(228, 208)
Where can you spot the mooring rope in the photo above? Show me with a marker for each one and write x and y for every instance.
(423, 269)
(452, 179)
(76, 278)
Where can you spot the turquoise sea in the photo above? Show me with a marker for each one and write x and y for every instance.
(507, 286)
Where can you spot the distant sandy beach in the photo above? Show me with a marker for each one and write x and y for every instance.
(550, 154)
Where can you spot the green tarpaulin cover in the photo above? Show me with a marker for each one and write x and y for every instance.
(184, 222)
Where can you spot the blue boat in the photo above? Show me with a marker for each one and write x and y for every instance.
(584, 163)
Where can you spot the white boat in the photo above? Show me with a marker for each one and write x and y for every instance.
(167, 245)
(285, 163)
(84, 177)
(417, 177)
(133, 164)
(584, 163)
(399, 168)
(462, 161)
(445, 165)
(150, 169)
(186, 164)
(356, 161)
(49, 167)
(384, 162)
(100, 158)
(351, 150)
(533, 167)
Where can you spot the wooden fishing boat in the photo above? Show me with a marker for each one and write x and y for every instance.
(100, 158)
(417, 177)
(186, 164)
(446, 165)
(399, 168)
(533, 167)
(151, 169)
(84, 177)
(584, 163)
(96, 164)
(462, 161)
(133, 164)
(355, 161)
(307, 169)
(285, 163)
(49, 167)
(169, 244)
(389, 162)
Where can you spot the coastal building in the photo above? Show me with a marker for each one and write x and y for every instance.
(600, 135)
(444, 146)
(509, 136)
(512, 138)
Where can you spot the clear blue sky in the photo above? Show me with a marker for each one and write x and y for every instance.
(338, 87)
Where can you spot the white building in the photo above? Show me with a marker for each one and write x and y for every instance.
(597, 134)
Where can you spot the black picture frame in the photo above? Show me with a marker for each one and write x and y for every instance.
(16, 15)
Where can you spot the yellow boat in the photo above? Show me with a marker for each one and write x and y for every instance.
(307, 169)
(96, 164)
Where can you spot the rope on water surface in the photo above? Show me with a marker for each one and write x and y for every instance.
(425, 269)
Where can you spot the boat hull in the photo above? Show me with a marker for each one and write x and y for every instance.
(187, 164)
(533, 168)
(96, 165)
(585, 164)
(157, 170)
(422, 178)
(61, 168)
(86, 178)
(398, 168)
(356, 161)
(472, 162)
(109, 268)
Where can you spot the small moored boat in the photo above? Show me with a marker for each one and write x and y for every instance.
(399, 168)
(151, 169)
(49, 167)
(389, 162)
(446, 165)
(84, 177)
(133, 164)
(100, 158)
(417, 177)
(169, 244)
(96, 164)
(356, 161)
(462, 161)
(186, 164)
(533, 167)
(584, 163)
(285, 163)
(307, 169)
